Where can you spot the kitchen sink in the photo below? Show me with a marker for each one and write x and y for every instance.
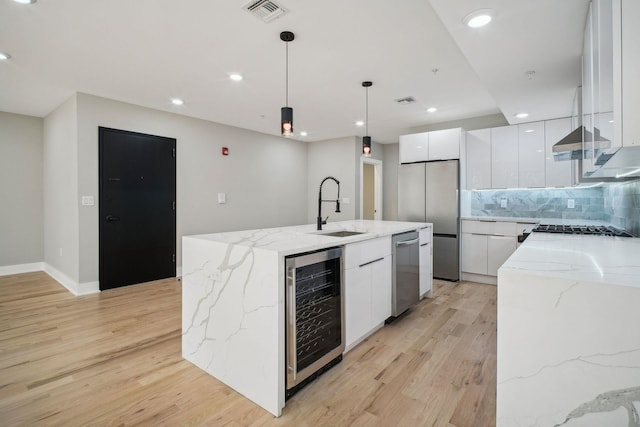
(341, 233)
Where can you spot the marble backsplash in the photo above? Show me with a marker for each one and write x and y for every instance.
(622, 206)
(536, 203)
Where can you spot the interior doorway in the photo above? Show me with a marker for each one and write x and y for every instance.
(137, 208)
(370, 188)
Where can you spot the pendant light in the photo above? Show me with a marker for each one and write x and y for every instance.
(286, 112)
(366, 140)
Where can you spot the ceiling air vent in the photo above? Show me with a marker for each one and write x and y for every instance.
(407, 100)
(265, 10)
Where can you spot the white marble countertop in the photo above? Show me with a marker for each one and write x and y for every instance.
(598, 259)
(304, 238)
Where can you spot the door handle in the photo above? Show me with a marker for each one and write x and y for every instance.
(111, 218)
(407, 242)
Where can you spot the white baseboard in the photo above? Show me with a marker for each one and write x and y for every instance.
(178, 272)
(72, 286)
(479, 278)
(7, 270)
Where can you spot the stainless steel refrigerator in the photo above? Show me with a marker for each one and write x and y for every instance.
(429, 192)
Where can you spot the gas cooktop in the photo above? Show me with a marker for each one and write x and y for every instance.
(597, 230)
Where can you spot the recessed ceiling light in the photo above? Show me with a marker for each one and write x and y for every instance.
(359, 123)
(303, 133)
(432, 110)
(176, 101)
(610, 121)
(529, 131)
(4, 56)
(236, 77)
(479, 18)
(522, 115)
(25, 1)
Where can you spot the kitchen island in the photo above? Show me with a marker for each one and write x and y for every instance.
(233, 298)
(568, 340)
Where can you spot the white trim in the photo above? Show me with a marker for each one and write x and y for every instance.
(88, 288)
(178, 272)
(479, 278)
(7, 270)
(377, 164)
(63, 279)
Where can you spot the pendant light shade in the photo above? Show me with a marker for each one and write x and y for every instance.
(366, 140)
(286, 121)
(286, 112)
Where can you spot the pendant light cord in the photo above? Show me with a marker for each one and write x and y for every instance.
(286, 90)
(366, 109)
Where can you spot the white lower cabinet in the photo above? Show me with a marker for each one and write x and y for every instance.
(499, 249)
(426, 261)
(486, 245)
(367, 288)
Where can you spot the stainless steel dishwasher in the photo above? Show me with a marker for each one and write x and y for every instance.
(406, 272)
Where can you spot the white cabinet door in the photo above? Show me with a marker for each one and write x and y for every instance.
(531, 155)
(357, 304)
(444, 144)
(414, 147)
(478, 158)
(504, 157)
(474, 253)
(557, 173)
(380, 273)
(499, 249)
(426, 260)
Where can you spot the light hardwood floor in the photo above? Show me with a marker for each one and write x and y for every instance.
(114, 359)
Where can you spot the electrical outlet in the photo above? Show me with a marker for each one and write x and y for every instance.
(503, 203)
(346, 200)
(571, 204)
(222, 198)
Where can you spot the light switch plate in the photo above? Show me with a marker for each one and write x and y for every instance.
(503, 203)
(571, 204)
(87, 201)
(222, 198)
(346, 200)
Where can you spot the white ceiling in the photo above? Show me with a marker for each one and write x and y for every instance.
(147, 51)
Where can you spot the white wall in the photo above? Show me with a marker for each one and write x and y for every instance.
(337, 158)
(60, 172)
(264, 177)
(390, 182)
(21, 218)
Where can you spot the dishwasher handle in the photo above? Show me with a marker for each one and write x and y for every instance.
(407, 242)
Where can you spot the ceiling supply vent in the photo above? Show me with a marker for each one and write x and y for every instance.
(265, 10)
(407, 100)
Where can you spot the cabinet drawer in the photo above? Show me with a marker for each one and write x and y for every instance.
(500, 228)
(356, 254)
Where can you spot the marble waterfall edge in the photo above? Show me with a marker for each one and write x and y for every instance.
(231, 317)
(568, 352)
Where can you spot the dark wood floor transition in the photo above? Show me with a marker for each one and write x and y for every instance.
(114, 359)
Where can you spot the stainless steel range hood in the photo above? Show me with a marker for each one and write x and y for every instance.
(571, 146)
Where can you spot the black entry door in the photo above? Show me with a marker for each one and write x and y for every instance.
(137, 208)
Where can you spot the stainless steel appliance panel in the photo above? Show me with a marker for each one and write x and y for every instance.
(442, 208)
(411, 192)
(446, 263)
(406, 274)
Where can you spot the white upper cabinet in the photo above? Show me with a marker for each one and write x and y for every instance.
(626, 78)
(426, 146)
(504, 157)
(445, 144)
(414, 147)
(531, 164)
(558, 173)
(478, 159)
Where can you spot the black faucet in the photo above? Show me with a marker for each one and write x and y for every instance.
(320, 220)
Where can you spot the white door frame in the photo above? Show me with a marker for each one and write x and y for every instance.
(377, 174)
